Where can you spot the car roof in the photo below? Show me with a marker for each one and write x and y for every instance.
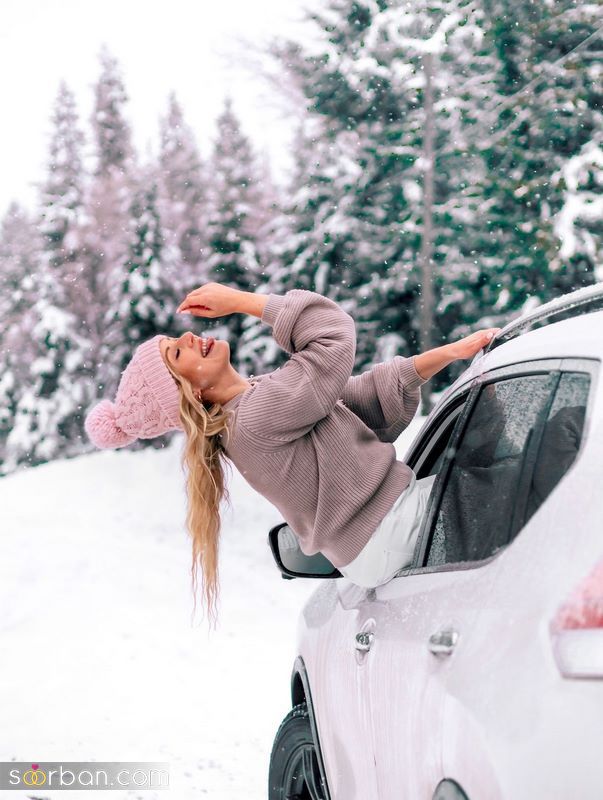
(577, 337)
(586, 300)
(580, 337)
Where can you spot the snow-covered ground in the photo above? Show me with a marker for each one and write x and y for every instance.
(100, 660)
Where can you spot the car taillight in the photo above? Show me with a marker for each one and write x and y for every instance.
(577, 629)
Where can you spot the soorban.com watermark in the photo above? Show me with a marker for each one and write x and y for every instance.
(85, 775)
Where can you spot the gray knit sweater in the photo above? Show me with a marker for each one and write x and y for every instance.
(315, 441)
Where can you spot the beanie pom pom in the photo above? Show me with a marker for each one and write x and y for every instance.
(102, 428)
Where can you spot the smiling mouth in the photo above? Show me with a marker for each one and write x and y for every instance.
(205, 345)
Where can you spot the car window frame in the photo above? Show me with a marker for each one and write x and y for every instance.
(464, 398)
(507, 371)
(423, 447)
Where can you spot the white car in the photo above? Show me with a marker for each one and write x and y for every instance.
(475, 673)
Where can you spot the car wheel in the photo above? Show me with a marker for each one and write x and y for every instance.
(294, 773)
(449, 790)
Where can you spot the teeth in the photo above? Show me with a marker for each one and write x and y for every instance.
(204, 345)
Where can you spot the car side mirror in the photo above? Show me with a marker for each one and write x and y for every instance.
(292, 562)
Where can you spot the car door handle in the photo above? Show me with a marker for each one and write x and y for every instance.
(443, 642)
(364, 639)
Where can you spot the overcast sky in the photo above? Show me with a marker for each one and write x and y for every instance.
(190, 46)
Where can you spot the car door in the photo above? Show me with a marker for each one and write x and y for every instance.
(426, 658)
(407, 706)
(505, 701)
(336, 630)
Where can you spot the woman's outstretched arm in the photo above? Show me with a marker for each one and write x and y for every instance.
(434, 360)
(251, 303)
(387, 396)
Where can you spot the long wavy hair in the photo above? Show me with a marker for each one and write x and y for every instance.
(204, 459)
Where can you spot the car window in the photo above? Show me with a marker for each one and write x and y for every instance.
(428, 455)
(501, 470)
(561, 438)
(521, 438)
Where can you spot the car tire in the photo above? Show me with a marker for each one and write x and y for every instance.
(449, 790)
(294, 772)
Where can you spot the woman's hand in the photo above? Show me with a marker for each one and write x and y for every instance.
(468, 346)
(211, 300)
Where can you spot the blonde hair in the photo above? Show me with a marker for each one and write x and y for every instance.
(206, 459)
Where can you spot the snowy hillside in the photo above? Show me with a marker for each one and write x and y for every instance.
(99, 658)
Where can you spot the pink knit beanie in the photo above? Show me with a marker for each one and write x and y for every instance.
(146, 404)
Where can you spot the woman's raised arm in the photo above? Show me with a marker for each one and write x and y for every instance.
(434, 360)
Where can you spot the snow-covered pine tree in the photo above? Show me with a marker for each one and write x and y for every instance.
(276, 250)
(61, 194)
(235, 219)
(255, 346)
(111, 129)
(147, 300)
(182, 197)
(334, 249)
(266, 212)
(55, 393)
(19, 258)
(308, 240)
(528, 138)
(579, 223)
(363, 80)
(59, 383)
(108, 203)
(437, 51)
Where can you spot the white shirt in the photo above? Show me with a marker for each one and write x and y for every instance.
(392, 545)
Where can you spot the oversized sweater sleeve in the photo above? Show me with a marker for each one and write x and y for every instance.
(321, 338)
(385, 397)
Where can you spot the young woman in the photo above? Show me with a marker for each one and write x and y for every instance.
(310, 437)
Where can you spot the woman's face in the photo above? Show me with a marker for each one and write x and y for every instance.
(186, 357)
